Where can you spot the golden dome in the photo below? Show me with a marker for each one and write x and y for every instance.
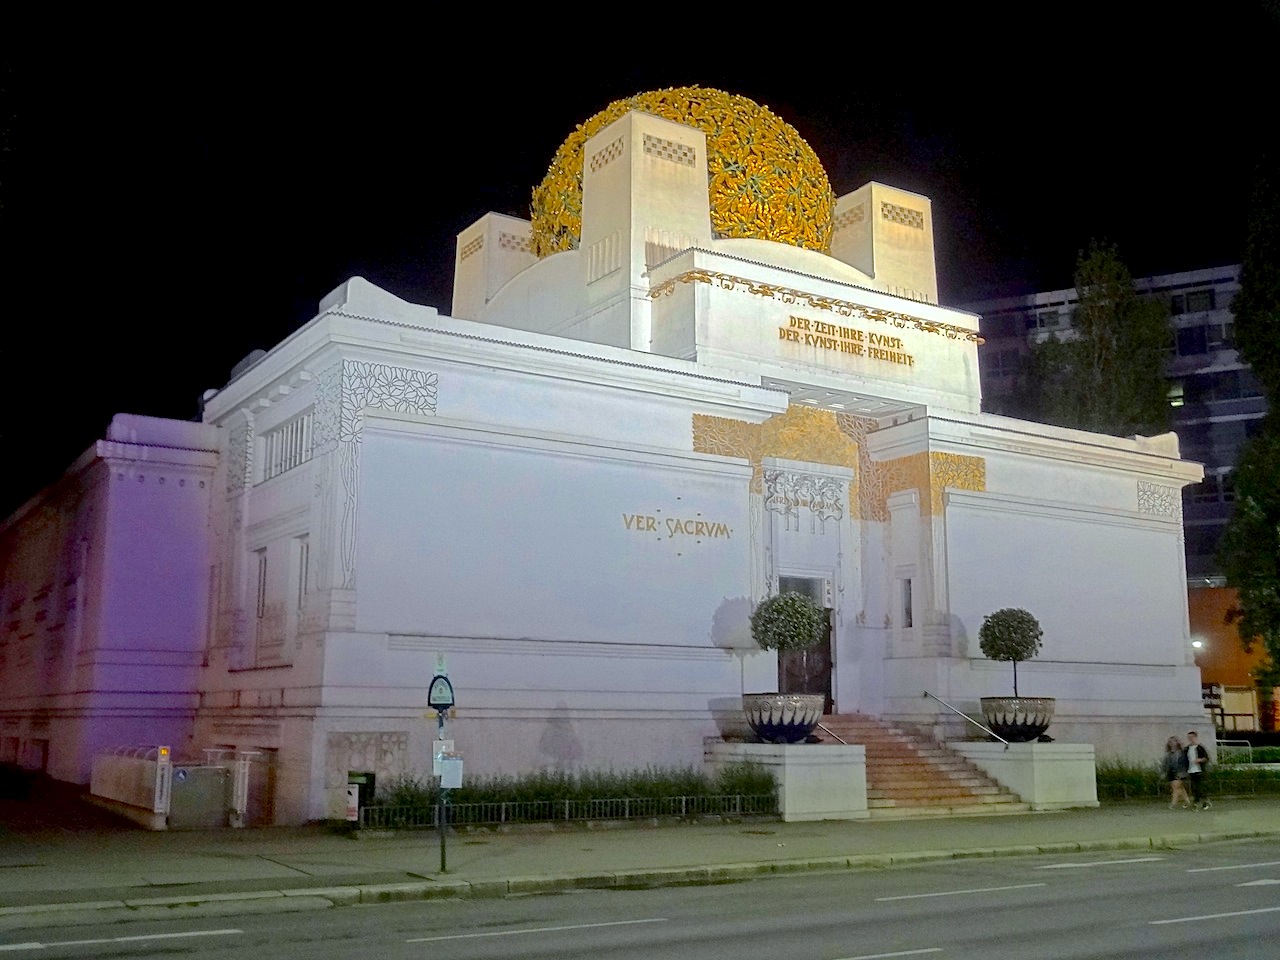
(763, 180)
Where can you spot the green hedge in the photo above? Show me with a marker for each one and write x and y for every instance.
(1123, 780)
(747, 779)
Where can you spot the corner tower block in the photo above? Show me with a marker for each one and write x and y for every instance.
(644, 199)
(887, 233)
(489, 253)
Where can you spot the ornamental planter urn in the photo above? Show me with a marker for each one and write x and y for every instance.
(785, 621)
(1018, 719)
(783, 717)
(1012, 635)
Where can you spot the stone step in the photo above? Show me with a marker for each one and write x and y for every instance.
(935, 794)
(948, 810)
(910, 776)
(934, 783)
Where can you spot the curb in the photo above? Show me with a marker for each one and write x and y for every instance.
(338, 896)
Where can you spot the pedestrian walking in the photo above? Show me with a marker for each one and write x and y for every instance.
(1197, 760)
(1174, 766)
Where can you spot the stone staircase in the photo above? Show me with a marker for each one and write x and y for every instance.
(908, 776)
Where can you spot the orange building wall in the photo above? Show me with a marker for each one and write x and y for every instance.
(1222, 659)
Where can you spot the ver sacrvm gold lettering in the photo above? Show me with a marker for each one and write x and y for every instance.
(851, 340)
(677, 526)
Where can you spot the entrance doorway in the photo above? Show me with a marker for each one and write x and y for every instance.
(807, 671)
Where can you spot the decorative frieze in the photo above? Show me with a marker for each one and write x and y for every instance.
(896, 213)
(1158, 500)
(788, 493)
(834, 305)
(239, 455)
(602, 158)
(665, 149)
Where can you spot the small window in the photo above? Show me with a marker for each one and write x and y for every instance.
(1222, 336)
(1204, 492)
(262, 583)
(304, 560)
(1199, 301)
(906, 603)
(1192, 341)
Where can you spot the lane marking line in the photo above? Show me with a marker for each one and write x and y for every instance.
(953, 893)
(134, 939)
(1238, 866)
(899, 953)
(1265, 882)
(1099, 863)
(513, 933)
(1215, 916)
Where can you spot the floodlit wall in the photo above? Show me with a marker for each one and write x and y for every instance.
(103, 580)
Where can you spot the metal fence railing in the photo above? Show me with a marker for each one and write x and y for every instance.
(1234, 751)
(543, 811)
(1218, 783)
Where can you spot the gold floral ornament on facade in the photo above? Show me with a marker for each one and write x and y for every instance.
(764, 182)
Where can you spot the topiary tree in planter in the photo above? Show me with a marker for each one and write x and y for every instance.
(782, 622)
(1010, 636)
(787, 621)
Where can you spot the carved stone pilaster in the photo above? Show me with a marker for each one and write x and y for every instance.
(343, 393)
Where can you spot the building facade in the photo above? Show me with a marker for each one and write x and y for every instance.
(1217, 402)
(665, 395)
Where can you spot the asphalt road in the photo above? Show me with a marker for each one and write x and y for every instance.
(1208, 902)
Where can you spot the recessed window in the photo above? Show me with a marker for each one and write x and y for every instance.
(303, 548)
(262, 584)
(1192, 341)
(1193, 301)
(287, 446)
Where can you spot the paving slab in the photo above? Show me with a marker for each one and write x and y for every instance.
(90, 865)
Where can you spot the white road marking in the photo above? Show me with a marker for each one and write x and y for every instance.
(953, 893)
(1236, 866)
(1258, 883)
(134, 939)
(1099, 863)
(899, 953)
(513, 933)
(1215, 916)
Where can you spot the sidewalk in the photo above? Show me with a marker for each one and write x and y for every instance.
(93, 868)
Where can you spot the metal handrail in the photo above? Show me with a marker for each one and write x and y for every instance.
(831, 733)
(970, 719)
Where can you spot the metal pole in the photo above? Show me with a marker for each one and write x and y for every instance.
(442, 804)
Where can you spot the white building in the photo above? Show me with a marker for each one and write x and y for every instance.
(575, 488)
(1217, 402)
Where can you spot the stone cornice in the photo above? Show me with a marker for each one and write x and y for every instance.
(976, 437)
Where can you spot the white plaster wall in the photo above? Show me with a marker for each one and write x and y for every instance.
(469, 533)
(1117, 594)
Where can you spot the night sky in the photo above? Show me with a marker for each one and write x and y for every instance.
(170, 206)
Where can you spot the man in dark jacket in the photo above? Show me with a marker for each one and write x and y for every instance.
(1197, 760)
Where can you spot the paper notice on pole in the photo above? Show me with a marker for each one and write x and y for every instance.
(450, 773)
(438, 749)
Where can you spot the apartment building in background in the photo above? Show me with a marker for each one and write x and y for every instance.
(1217, 404)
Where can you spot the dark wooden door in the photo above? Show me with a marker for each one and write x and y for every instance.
(807, 671)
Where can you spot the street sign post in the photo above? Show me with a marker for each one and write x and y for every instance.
(445, 763)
